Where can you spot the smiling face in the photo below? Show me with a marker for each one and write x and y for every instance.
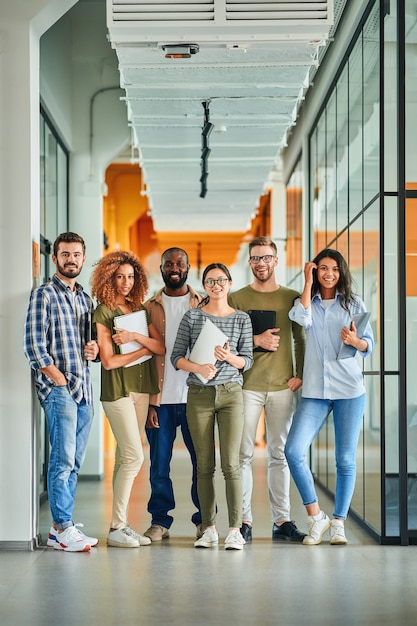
(69, 260)
(174, 269)
(124, 279)
(263, 269)
(217, 284)
(328, 275)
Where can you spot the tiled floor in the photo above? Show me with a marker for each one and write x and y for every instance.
(173, 583)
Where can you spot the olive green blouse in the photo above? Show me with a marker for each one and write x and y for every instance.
(118, 383)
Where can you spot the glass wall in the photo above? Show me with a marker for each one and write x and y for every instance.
(362, 198)
(54, 164)
(344, 202)
(294, 251)
(410, 19)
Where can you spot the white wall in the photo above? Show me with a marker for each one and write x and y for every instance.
(21, 27)
(76, 62)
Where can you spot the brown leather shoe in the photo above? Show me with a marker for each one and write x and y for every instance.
(157, 533)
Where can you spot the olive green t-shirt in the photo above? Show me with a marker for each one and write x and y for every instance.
(118, 383)
(272, 370)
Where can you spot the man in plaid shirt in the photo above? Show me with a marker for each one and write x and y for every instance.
(58, 347)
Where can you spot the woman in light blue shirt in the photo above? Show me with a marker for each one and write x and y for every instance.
(325, 310)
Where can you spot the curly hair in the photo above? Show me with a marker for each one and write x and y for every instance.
(103, 285)
(344, 286)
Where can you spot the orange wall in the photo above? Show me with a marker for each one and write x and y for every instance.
(128, 225)
(411, 243)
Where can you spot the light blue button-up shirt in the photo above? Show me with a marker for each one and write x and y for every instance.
(324, 376)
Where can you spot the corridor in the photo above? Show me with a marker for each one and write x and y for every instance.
(173, 583)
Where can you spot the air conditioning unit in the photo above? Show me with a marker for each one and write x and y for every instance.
(131, 22)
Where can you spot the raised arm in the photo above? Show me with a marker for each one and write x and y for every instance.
(308, 283)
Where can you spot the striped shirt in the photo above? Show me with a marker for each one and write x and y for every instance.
(57, 327)
(238, 329)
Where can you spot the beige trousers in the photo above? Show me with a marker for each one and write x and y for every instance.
(127, 418)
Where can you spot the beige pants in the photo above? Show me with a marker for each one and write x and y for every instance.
(127, 418)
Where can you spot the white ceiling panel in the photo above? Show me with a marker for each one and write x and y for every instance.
(246, 74)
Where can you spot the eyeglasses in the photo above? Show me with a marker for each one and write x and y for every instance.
(210, 282)
(266, 258)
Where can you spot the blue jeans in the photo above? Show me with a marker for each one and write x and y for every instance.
(69, 426)
(307, 423)
(161, 442)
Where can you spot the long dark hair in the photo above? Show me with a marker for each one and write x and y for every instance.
(344, 286)
(213, 266)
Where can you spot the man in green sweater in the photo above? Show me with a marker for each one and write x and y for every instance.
(270, 384)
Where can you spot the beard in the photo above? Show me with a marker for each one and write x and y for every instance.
(263, 278)
(175, 284)
(69, 272)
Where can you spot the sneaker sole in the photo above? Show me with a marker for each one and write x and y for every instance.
(213, 544)
(156, 538)
(233, 547)
(338, 542)
(116, 544)
(59, 546)
(51, 541)
(286, 539)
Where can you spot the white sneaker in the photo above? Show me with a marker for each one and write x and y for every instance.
(122, 538)
(53, 533)
(337, 533)
(316, 529)
(234, 540)
(209, 539)
(143, 541)
(71, 540)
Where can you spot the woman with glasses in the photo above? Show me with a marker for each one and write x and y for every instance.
(219, 399)
(327, 309)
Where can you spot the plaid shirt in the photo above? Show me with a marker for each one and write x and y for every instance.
(57, 327)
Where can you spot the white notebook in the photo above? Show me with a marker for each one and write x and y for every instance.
(134, 323)
(203, 350)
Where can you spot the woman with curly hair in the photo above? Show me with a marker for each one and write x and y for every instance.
(330, 384)
(119, 284)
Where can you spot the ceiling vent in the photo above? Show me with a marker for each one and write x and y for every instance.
(131, 22)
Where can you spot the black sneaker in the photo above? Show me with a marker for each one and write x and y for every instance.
(246, 532)
(288, 531)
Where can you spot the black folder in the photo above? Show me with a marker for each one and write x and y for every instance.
(261, 321)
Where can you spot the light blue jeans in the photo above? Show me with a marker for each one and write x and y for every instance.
(69, 426)
(307, 423)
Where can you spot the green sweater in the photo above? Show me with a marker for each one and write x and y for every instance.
(118, 383)
(272, 370)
